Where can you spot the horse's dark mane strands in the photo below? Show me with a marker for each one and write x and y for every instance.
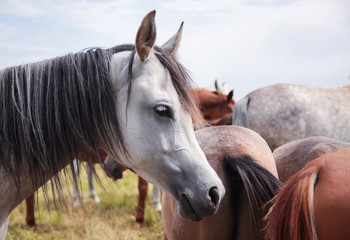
(55, 109)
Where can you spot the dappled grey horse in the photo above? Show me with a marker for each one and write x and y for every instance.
(282, 113)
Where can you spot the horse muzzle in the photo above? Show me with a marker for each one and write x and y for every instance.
(194, 210)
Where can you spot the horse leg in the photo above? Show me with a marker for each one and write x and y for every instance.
(156, 198)
(76, 168)
(3, 228)
(92, 188)
(30, 217)
(140, 213)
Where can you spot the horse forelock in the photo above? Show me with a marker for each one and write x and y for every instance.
(55, 109)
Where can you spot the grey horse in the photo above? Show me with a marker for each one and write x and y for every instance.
(283, 112)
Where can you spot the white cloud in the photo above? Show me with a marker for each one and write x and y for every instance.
(266, 43)
(21, 8)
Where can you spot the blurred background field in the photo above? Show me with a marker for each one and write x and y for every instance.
(112, 218)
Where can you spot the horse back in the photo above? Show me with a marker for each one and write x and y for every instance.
(297, 111)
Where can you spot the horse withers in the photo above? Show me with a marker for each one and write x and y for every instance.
(135, 102)
(314, 203)
(246, 166)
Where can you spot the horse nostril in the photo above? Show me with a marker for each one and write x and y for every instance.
(214, 195)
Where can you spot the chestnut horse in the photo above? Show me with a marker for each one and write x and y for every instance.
(245, 164)
(293, 156)
(314, 203)
(214, 105)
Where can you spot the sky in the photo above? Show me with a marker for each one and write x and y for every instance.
(248, 44)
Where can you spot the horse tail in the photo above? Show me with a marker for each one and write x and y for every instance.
(240, 111)
(260, 186)
(291, 215)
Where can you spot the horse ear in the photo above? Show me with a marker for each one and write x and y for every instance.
(216, 85)
(230, 96)
(173, 43)
(146, 36)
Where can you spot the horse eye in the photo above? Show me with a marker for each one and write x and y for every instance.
(163, 111)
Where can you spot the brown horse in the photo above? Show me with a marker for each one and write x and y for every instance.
(293, 156)
(246, 166)
(314, 203)
(214, 105)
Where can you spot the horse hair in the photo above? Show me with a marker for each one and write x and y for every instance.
(259, 184)
(55, 109)
(291, 215)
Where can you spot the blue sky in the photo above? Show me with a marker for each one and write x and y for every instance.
(246, 43)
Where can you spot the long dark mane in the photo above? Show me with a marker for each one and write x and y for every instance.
(258, 183)
(55, 109)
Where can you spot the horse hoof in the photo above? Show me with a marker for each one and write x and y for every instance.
(142, 225)
(158, 207)
(76, 204)
(96, 199)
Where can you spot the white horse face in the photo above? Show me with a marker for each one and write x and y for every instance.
(159, 134)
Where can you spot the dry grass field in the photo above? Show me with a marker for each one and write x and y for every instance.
(112, 218)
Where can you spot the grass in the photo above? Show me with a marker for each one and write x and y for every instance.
(112, 218)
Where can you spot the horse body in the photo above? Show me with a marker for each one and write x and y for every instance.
(282, 113)
(293, 156)
(314, 203)
(112, 87)
(229, 150)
